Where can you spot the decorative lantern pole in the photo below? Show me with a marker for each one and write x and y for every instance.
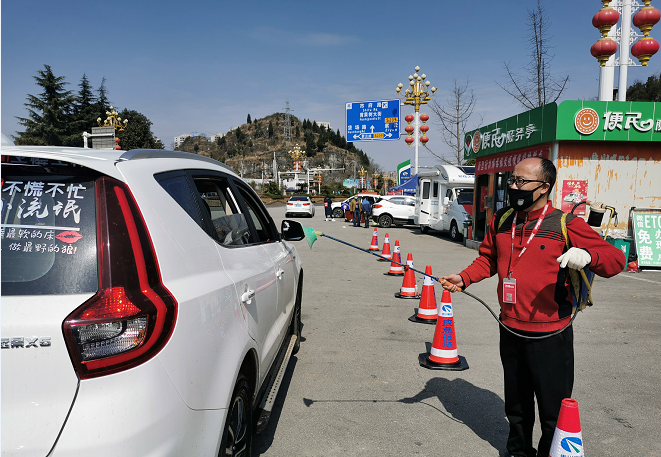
(376, 177)
(297, 155)
(362, 172)
(113, 120)
(604, 49)
(416, 95)
(319, 180)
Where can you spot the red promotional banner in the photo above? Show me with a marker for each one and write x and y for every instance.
(506, 161)
(573, 192)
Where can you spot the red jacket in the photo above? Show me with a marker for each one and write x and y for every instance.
(544, 300)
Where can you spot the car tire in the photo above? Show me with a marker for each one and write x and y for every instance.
(237, 435)
(424, 229)
(296, 323)
(337, 213)
(385, 221)
(455, 234)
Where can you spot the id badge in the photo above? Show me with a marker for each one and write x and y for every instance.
(509, 290)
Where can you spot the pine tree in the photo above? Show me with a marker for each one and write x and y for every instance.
(249, 121)
(271, 131)
(85, 113)
(102, 102)
(49, 113)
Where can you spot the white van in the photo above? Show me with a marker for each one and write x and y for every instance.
(444, 199)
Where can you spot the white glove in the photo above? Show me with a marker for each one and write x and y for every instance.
(574, 258)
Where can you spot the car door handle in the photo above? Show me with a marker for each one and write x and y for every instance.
(247, 296)
(279, 273)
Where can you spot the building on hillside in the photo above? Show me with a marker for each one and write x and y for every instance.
(215, 137)
(178, 140)
(606, 152)
(324, 124)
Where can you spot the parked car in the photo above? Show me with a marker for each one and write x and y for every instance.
(394, 210)
(299, 205)
(338, 212)
(139, 318)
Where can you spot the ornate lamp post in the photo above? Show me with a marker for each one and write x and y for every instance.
(113, 120)
(297, 155)
(319, 180)
(362, 172)
(376, 177)
(604, 49)
(416, 95)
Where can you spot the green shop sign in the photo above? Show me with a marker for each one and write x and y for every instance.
(647, 232)
(533, 127)
(609, 121)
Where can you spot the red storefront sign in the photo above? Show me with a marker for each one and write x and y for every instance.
(506, 161)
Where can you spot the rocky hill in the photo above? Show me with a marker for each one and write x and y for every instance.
(249, 148)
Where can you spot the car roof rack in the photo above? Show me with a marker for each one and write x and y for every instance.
(136, 154)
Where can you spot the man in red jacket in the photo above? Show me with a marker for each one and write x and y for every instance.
(527, 250)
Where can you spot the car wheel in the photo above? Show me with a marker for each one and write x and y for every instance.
(455, 235)
(424, 229)
(385, 220)
(296, 323)
(237, 436)
(337, 213)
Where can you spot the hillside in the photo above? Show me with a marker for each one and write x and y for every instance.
(249, 148)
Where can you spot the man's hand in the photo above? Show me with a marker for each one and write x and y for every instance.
(574, 258)
(453, 283)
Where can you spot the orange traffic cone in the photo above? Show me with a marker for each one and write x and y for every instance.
(395, 269)
(567, 439)
(427, 312)
(409, 288)
(375, 241)
(386, 250)
(443, 354)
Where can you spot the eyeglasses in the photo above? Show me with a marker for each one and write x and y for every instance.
(520, 181)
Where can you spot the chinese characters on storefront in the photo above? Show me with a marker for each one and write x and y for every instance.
(573, 192)
(647, 233)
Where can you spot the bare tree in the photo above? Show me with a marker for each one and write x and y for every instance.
(536, 87)
(454, 116)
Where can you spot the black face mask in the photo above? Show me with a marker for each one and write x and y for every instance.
(520, 200)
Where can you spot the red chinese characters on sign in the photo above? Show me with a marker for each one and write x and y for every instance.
(507, 161)
(574, 191)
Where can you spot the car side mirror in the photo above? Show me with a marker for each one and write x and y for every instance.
(446, 201)
(292, 230)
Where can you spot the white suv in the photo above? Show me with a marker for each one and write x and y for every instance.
(394, 210)
(147, 301)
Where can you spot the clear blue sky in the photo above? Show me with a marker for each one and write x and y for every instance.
(204, 65)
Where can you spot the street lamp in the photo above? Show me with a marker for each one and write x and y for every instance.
(113, 120)
(376, 177)
(362, 172)
(319, 180)
(417, 94)
(296, 154)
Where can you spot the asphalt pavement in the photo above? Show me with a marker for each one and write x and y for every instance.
(356, 388)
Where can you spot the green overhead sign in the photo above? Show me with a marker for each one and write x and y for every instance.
(572, 120)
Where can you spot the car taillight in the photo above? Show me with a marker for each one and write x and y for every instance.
(377, 206)
(306, 204)
(289, 203)
(132, 315)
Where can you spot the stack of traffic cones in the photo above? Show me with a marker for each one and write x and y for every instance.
(444, 353)
(567, 439)
(427, 312)
(386, 250)
(395, 269)
(375, 241)
(409, 288)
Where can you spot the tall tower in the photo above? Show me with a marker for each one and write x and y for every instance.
(287, 123)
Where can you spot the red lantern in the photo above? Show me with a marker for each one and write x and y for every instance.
(409, 128)
(424, 139)
(603, 49)
(424, 117)
(424, 128)
(409, 118)
(646, 18)
(644, 49)
(605, 19)
(117, 147)
(409, 140)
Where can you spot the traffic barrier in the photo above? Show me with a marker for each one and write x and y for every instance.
(567, 439)
(375, 241)
(386, 250)
(444, 354)
(427, 312)
(409, 288)
(395, 269)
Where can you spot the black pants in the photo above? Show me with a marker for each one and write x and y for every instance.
(367, 219)
(535, 369)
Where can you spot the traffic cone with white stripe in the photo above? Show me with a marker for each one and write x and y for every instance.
(444, 354)
(427, 312)
(395, 269)
(409, 288)
(375, 241)
(386, 250)
(567, 439)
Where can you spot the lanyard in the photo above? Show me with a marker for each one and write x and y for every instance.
(532, 235)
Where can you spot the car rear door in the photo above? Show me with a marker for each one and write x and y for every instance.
(49, 268)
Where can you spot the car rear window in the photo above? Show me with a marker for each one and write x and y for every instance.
(48, 233)
(298, 199)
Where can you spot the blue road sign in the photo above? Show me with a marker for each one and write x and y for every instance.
(374, 120)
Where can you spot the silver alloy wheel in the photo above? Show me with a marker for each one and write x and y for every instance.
(237, 436)
(385, 221)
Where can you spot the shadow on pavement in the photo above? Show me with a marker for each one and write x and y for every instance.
(479, 409)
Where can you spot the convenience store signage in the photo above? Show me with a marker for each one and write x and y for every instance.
(647, 232)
